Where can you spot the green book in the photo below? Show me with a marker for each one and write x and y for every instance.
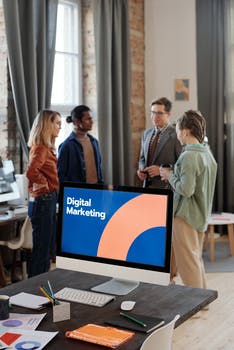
(150, 322)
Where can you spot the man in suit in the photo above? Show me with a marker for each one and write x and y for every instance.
(159, 145)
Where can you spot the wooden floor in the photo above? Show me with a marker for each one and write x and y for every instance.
(214, 330)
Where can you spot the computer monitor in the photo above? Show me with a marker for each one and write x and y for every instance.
(117, 231)
(8, 186)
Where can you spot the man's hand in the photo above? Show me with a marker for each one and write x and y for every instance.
(152, 170)
(142, 174)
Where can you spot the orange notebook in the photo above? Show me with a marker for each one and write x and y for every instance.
(102, 335)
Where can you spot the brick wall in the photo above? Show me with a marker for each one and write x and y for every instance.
(89, 63)
(137, 107)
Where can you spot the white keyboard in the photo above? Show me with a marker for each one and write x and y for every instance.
(84, 296)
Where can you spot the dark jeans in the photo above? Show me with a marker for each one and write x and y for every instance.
(42, 212)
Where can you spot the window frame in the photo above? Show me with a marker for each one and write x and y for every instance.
(65, 109)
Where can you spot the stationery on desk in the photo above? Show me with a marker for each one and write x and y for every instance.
(61, 310)
(133, 319)
(18, 332)
(101, 335)
(21, 321)
(136, 322)
(23, 339)
(29, 300)
(49, 294)
(35, 302)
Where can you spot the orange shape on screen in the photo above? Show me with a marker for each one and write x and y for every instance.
(124, 227)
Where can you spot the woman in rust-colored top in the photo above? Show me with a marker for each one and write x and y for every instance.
(43, 188)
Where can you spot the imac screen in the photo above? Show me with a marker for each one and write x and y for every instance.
(124, 227)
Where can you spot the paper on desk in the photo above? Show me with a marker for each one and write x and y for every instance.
(21, 321)
(28, 300)
(26, 339)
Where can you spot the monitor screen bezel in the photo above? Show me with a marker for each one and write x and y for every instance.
(166, 192)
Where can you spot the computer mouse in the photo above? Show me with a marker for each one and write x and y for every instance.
(127, 305)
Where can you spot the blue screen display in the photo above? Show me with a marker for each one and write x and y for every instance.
(120, 225)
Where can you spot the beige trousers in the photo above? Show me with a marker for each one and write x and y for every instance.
(188, 244)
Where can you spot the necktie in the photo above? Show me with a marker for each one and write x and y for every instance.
(152, 147)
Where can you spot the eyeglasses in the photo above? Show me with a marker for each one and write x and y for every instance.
(158, 113)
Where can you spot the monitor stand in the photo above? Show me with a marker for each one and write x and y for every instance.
(116, 286)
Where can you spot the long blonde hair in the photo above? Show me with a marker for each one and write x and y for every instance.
(41, 132)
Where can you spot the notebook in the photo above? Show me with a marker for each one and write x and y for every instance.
(123, 322)
(101, 335)
(28, 300)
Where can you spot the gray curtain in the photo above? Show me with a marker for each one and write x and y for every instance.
(111, 28)
(229, 102)
(31, 32)
(211, 82)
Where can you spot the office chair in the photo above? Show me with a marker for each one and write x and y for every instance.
(161, 338)
(14, 243)
(23, 241)
(27, 245)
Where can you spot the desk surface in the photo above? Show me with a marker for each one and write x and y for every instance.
(150, 299)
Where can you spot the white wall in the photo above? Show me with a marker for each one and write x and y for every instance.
(170, 51)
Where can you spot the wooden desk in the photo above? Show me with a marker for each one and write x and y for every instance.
(150, 299)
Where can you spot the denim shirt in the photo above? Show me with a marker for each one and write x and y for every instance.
(71, 163)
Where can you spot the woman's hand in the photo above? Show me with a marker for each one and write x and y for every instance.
(165, 173)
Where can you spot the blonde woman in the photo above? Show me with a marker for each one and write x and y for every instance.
(43, 188)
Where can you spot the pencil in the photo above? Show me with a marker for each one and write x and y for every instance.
(51, 293)
(133, 319)
(51, 290)
(47, 292)
(56, 302)
(47, 295)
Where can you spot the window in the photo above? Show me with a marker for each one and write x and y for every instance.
(66, 90)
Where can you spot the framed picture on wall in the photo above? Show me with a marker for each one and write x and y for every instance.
(181, 89)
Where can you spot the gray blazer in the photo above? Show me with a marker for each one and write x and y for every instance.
(167, 151)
